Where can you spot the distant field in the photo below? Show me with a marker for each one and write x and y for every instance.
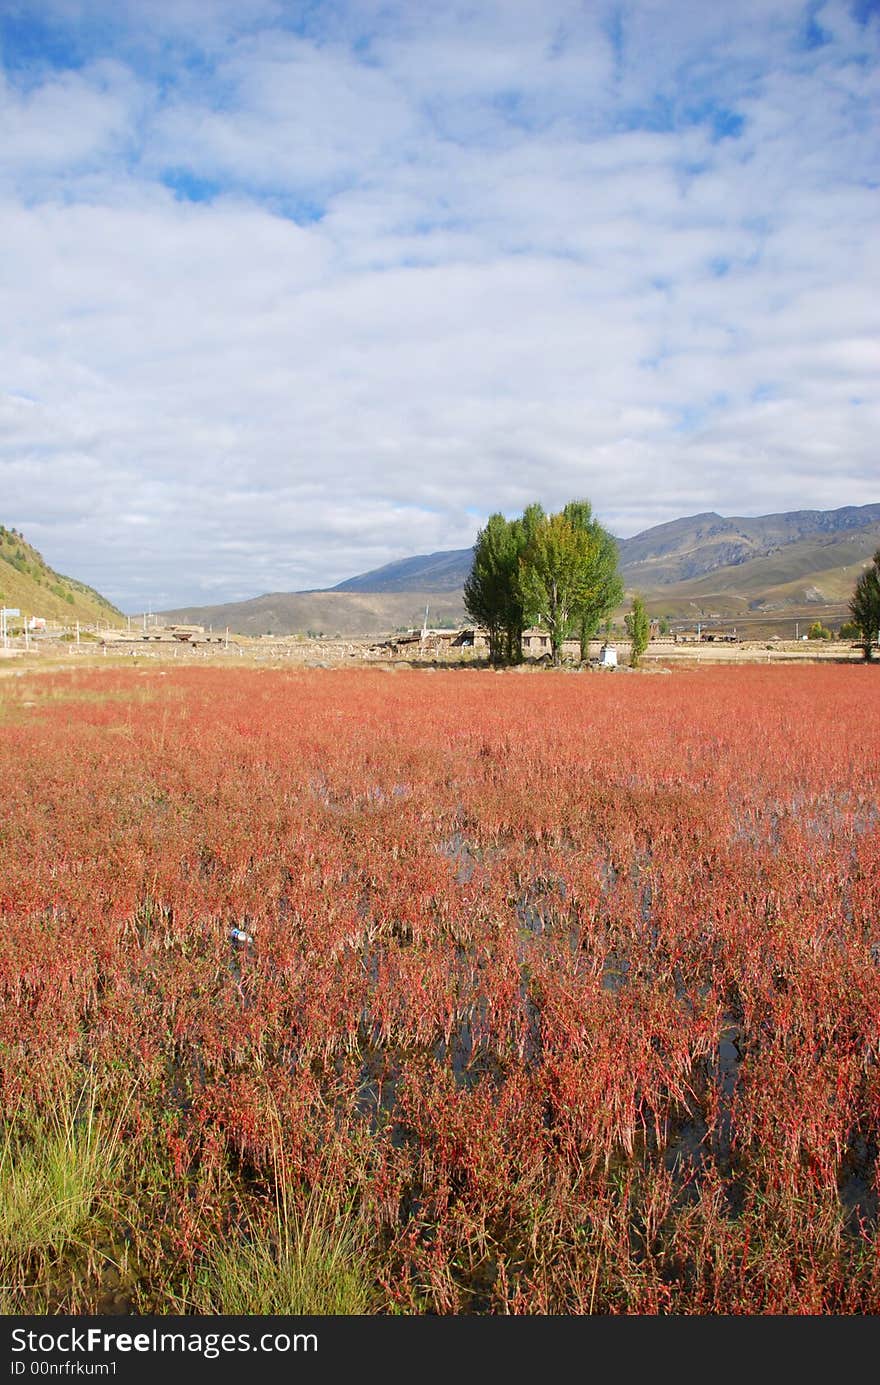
(547, 994)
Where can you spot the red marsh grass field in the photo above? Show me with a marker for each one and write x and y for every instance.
(555, 994)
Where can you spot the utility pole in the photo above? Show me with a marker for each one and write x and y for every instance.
(797, 630)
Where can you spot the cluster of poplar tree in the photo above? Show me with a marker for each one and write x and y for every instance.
(557, 571)
(865, 606)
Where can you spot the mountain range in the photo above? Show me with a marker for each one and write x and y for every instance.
(758, 573)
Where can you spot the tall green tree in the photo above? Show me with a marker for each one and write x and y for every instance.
(487, 585)
(559, 571)
(557, 576)
(638, 627)
(492, 592)
(865, 606)
(606, 588)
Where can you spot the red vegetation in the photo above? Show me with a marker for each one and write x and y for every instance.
(573, 980)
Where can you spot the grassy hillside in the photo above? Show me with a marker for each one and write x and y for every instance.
(783, 567)
(682, 550)
(810, 572)
(702, 546)
(27, 582)
(328, 613)
(432, 572)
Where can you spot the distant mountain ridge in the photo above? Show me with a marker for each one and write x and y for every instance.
(684, 549)
(434, 572)
(680, 550)
(327, 613)
(794, 564)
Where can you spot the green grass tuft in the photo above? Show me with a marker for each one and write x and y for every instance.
(54, 1173)
(313, 1262)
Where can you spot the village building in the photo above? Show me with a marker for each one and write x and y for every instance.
(438, 644)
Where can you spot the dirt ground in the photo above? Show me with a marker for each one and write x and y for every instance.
(348, 653)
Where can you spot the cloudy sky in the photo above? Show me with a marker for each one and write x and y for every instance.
(292, 289)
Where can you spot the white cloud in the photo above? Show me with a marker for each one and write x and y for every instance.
(444, 261)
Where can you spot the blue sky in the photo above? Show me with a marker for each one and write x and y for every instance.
(292, 290)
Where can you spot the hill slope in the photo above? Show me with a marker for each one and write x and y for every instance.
(692, 548)
(435, 572)
(678, 551)
(798, 562)
(803, 581)
(329, 613)
(27, 582)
